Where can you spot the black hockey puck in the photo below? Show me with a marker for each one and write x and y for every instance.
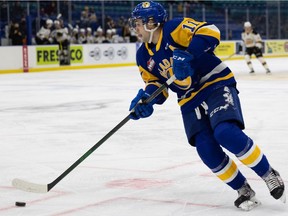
(20, 204)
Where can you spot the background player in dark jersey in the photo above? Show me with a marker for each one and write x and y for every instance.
(253, 45)
(207, 96)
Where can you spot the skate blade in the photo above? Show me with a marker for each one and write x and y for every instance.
(249, 204)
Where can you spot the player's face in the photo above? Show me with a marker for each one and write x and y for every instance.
(248, 29)
(142, 34)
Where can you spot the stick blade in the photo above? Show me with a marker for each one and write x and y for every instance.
(29, 187)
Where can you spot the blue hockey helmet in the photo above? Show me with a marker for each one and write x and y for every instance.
(149, 10)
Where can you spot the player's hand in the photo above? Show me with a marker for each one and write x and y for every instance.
(259, 45)
(138, 108)
(182, 64)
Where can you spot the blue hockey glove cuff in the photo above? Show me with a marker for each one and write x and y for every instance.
(182, 64)
(138, 108)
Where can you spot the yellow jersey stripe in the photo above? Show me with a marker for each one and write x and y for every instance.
(158, 45)
(146, 75)
(183, 101)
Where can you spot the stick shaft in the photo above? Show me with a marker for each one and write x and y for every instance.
(90, 151)
(44, 188)
(109, 134)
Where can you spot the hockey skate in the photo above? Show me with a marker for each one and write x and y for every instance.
(246, 198)
(275, 185)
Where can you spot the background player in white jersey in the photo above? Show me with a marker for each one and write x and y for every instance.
(99, 35)
(82, 39)
(207, 96)
(62, 38)
(89, 36)
(43, 36)
(74, 36)
(253, 44)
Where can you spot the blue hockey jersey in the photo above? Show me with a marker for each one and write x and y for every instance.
(200, 39)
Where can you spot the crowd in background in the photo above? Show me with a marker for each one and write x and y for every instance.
(89, 25)
(85, 30)
(84, 34)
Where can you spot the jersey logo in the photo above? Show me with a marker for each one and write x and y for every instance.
(150, 64)
(146, 4)
(178, 58)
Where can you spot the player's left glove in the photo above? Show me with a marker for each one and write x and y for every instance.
(141, 109)
(182, 64)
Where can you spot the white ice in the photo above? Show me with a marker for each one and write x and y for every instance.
(48, 120)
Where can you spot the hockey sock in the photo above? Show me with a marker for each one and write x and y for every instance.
(249, 63)
(215, 158)
(236, 141)
(263, 62)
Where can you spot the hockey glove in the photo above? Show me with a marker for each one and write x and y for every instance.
(138, 108)
(182, 64)
(258, 45)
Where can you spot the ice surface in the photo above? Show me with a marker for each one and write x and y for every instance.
(49, 120)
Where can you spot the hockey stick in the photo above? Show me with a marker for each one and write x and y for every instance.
(230, 56)
(44, 188)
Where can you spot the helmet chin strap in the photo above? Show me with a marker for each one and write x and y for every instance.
(151, 31)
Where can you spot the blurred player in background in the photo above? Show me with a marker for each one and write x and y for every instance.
(89, 36)
(43, 36)
(253, 44)
(207, 96)
(82, 39)
(74, 36)
(62, 38)
(99, 35)
(57, 27)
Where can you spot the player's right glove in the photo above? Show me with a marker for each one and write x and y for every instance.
(182, 64)
(140, 109)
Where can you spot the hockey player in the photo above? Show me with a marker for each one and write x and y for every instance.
(253, 44)
(89, 36)
(99, 36)
(57, 28)
(116, 38)
(43, 35)
(82, 39)
(74, 36)
(207, 95)
(62, 38)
